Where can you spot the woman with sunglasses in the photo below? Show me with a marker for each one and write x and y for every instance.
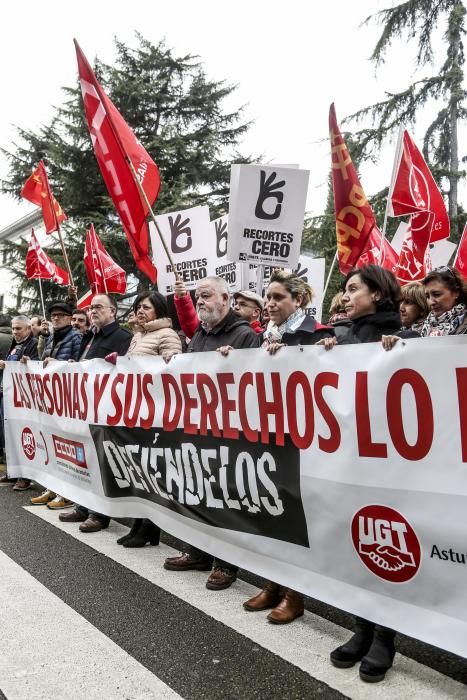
(446, 294)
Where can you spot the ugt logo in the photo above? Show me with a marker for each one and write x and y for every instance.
(180, 234)
(268, 190)
(221, 238)
(29, 443)
(386, 543)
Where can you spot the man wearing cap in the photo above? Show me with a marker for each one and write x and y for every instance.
(249, 306)
(62, 344)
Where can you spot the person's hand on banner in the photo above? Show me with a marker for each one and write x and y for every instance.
(273, 348)
(24, 360)
(2, 364)
(388, 341)
(48, 361)
(179, 288)
(111, 357)
(327, 343)
(224, 350)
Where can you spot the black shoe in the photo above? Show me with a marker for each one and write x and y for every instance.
(148, 532)
(134, 529)
(380, 656)
(358, 645)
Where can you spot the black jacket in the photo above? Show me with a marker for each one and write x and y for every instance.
(110, 338)
(308, 333)
(232, 330)
(370, 329)
(5, 341)
(27, 347)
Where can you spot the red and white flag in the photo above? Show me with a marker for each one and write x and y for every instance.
(40, 266)
(414, 192)
(36, 189)
(114, 142)
(414, 258)
(355, 220)
(373, 254)
(104, 275)
(84, 302)
(460, 262)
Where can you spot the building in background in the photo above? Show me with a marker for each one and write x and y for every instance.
(10, 297)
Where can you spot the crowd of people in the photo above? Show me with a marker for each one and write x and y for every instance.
(371, 307)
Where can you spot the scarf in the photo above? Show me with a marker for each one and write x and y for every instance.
(445, 324)
(273, 333)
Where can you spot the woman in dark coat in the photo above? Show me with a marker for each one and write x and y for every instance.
(371, 299)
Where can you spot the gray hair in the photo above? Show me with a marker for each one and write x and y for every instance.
(219, 284)
(22, 319)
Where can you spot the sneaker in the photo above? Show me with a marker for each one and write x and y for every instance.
(22, 485)
(43, 499)
(59, 503)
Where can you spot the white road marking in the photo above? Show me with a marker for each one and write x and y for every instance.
(50, 652)
(305, 643)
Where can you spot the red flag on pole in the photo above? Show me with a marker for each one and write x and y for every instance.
(104, 275)
(37, 190)
(460, 262)
(113, 143)
(354, 216)
(414, 192)
(373, 255)
(40, 266)
(411, 266)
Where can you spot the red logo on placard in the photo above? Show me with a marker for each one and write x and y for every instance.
(386, 543)
(28, 442)
(70, 451)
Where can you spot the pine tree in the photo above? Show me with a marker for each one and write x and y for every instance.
(420, 20)
(179, 116)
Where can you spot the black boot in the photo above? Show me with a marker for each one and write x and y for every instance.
(380, 656)
(134, 529)
(355, 649)
(148, 532)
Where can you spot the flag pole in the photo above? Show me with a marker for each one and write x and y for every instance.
(42, 298)
(65, 256)
(153, 217)
(333, 264)
(397, 157)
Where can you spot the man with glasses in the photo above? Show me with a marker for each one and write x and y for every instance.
(105, 337)
(249, 306)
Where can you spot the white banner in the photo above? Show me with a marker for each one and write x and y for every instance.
(189, 239)
(266, 210)
(340, 474)
(225, 268)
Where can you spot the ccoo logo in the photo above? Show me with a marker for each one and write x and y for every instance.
(29, 443)
(386, 543)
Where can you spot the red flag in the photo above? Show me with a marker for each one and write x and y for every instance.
(84, 302)
(104, 275)
(372, 252)
(113, 143)
(354, 216)
(40, 266)
(413, 191)
(460, 262)
(37, 190)
(412, 263)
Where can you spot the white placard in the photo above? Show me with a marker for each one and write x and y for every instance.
(192, 247)
(225, 268)
(440, 252)
(266, 210)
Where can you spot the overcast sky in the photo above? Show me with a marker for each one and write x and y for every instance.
(290, 61)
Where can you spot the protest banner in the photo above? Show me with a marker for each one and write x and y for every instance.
(339, 474)
(266, 210)
(191, 244)
(225, 268)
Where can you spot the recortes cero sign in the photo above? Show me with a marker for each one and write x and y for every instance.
(386, 543)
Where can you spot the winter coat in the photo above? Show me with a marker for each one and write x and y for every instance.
(187, 316)
(5, 341)
(110, 338)
(157, 338)
(63, 344)
(232, 330)
(371, 328)
(27, 347)
(309, 332)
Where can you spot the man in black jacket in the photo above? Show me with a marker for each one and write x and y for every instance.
(105, 337)
(219, 326)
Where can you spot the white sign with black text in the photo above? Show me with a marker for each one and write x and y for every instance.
(225, 268)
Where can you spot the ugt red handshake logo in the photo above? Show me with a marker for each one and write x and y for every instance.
(386, 543)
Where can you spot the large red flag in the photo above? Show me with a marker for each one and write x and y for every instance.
(412, 263)
(373, 254)
(40, 266)
(113, 143)
(414, 192)
(354, 216)
(460, 262)
(104, 275)
(37, 190)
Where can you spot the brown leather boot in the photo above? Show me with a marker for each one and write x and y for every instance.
(268, 597)
(290, 607)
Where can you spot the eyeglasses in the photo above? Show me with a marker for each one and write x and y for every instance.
(99, 307)
(58, 315)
